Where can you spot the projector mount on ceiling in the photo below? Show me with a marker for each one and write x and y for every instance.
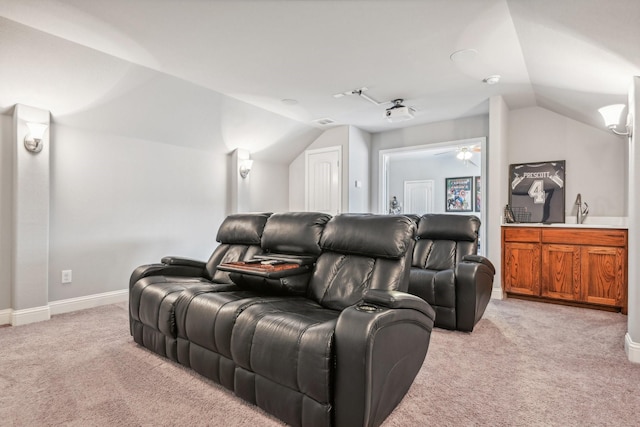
(396, 113)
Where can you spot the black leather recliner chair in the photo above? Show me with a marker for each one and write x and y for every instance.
(447, 272)
(342, 352)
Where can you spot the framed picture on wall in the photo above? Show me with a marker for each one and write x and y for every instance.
(536, 191)
(477, 193)
(459, 194)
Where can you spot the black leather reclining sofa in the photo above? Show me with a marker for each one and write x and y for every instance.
(447, 272)
(337, 342)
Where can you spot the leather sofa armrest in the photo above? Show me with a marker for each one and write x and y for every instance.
(396, 299)
(480, 259)
(474, 284)
(181, 270)
(373, 344)
(187, 262)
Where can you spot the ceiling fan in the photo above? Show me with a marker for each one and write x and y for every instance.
(464, 153)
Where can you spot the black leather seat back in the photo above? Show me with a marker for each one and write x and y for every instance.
(295, 233)
(362, 252)
(443, 240)
(239, 236)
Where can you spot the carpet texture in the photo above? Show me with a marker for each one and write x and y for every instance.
(526, 364)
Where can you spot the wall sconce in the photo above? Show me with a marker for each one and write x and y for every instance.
(33, 139)
(245, 167)
(611, 116)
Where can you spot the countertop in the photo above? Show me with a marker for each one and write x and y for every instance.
(607, 222)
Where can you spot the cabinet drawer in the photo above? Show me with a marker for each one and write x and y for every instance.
(523, 234)
(599, 237)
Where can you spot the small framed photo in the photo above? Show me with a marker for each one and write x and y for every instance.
(477, 191)
(459, 194)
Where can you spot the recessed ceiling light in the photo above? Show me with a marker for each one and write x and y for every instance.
(492, 80)
(289, 101)
(464, 55)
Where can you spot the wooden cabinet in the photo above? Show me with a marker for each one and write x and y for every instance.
(571, 265)
(561, 272)
(521, 260)
(604, 276)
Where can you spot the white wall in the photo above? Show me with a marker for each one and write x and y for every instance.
(138, 162)
(6, 225)
(31, 213)
(595, 158)
(119, 202)
(632, 340)
(497, 184)
(358, 158)
(269, 190)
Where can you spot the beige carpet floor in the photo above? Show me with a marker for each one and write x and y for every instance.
(526, 364)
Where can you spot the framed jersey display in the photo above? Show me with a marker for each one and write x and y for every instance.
(538, 190)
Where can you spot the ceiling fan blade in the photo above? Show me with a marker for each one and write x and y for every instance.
(473, 163)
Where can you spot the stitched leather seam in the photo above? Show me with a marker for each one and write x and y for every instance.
(339, 265)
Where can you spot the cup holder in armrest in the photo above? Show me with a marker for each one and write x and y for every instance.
(367, 308)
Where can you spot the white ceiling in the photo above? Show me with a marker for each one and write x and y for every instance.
(569, 56)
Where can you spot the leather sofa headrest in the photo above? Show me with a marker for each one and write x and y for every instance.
(294, 232)
(448, 227)
(379, 236)
(242, 229)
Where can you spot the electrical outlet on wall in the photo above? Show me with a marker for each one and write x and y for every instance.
(66, 276)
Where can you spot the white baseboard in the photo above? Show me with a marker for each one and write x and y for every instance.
(38, 314)
(30, 315)
(5, 317)
(89, 301)
(632, 349)
(496, 293)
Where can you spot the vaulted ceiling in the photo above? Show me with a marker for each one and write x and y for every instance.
(291, 57)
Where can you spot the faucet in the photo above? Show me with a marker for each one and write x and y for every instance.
(581, 213)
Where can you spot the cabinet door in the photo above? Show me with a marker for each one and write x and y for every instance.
(561, 272)
(522, 268)
(603, 275)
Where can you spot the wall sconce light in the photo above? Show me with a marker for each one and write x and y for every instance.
(245, 167)
(611, 116)
(33, 139)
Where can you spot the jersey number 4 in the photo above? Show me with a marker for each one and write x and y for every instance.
(536, 191)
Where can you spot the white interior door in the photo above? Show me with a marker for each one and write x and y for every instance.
(323, 180)
(418, 197)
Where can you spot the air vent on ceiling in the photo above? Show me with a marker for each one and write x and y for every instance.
(325, 121)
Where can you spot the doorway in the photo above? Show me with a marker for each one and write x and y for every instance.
(400, 167)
